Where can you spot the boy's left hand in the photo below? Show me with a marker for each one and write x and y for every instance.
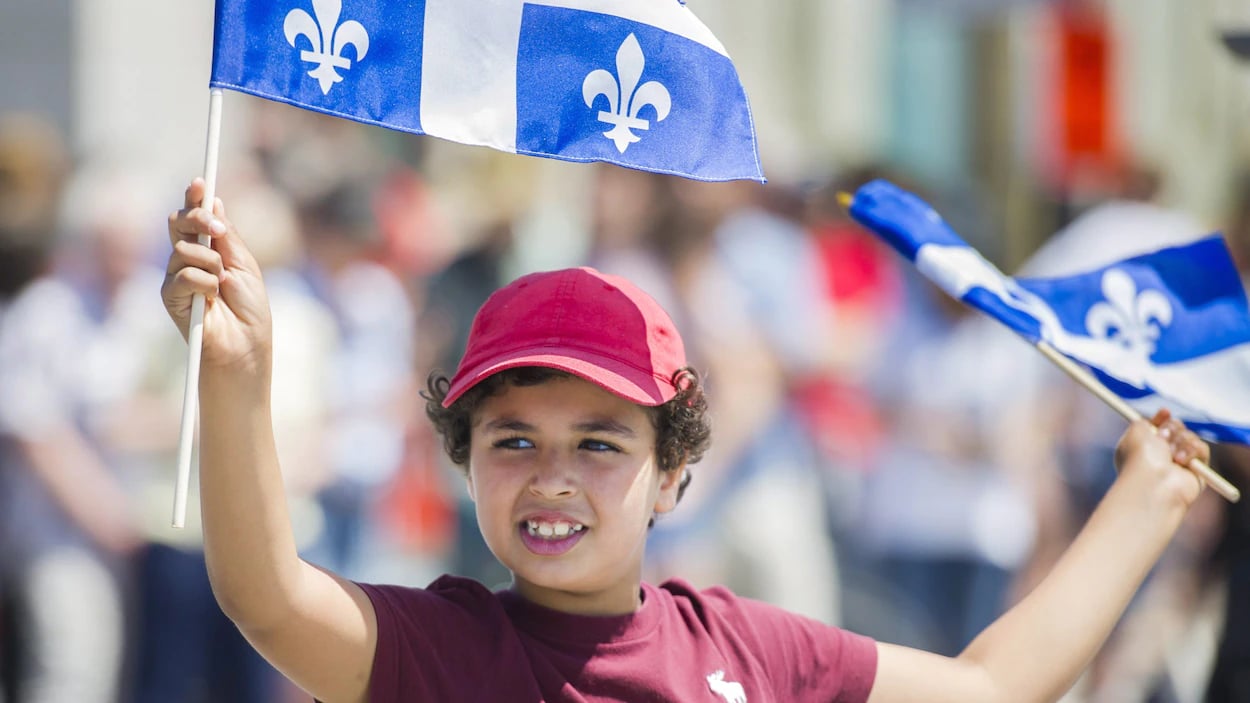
(1159, 454)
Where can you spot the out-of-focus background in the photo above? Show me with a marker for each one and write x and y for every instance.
(883, 459)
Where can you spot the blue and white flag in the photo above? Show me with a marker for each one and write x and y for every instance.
(640, 83)
(1168, 328)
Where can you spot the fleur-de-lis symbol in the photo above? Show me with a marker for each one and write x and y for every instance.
(1130, 319)
(328, 39)
(626, 98)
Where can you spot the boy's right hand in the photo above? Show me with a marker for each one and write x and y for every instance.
(237, 328)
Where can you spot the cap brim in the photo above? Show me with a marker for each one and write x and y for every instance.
(618, 379)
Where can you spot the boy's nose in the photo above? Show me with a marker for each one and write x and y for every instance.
(553, 477)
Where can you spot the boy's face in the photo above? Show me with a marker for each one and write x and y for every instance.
(565, 481)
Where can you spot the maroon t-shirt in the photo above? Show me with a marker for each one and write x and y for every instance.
(457, 641)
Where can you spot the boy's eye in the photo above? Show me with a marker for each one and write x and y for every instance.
(595, 445)
(513, 443)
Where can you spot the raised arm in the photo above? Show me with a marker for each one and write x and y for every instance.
(318, 629)
(1036, 651)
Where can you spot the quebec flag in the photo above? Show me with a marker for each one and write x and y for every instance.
(640, 83)
(1168, 328)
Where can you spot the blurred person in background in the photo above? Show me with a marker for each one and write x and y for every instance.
(863, 288)
(749, 290)
(368, 396)
(1229, 563)
(451, 297)
(627, 209)
(109, 261)
(1123, 217)
(65, 526)
(304, 348)
(1229, 566)
(945, 519)
(368, 237)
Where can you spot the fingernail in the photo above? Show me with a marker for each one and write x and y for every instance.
(1165, 432)
(218, 227)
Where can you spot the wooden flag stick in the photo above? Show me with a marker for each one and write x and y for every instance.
(1078, 373)
(195, 332)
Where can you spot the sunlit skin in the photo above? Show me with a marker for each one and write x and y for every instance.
(566, 450)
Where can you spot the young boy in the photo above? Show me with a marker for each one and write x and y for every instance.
(574, 417)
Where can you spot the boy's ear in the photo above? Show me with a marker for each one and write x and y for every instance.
(670, 487)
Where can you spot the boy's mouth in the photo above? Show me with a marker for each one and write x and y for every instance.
(550, 538)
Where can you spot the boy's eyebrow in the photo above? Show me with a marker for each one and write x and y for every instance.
(508, 424)
(604, 425)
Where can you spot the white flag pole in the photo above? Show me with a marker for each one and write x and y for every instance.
(195, 333)
(1078, 373)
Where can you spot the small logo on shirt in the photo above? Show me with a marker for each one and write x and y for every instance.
(731, 691)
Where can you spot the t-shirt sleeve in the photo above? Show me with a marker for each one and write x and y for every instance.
(805, 659)
(432, 642)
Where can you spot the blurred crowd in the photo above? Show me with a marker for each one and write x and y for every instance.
(883, 460)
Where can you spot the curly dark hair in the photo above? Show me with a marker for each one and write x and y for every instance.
(682, 428)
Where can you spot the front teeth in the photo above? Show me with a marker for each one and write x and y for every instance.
(548, 530)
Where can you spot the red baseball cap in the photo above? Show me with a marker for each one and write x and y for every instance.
(596, 326)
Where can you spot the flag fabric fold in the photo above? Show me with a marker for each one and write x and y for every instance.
(1166, 328)
(639, 83)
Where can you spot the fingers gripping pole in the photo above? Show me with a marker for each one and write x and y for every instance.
(195, 332)
(1218, 483)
